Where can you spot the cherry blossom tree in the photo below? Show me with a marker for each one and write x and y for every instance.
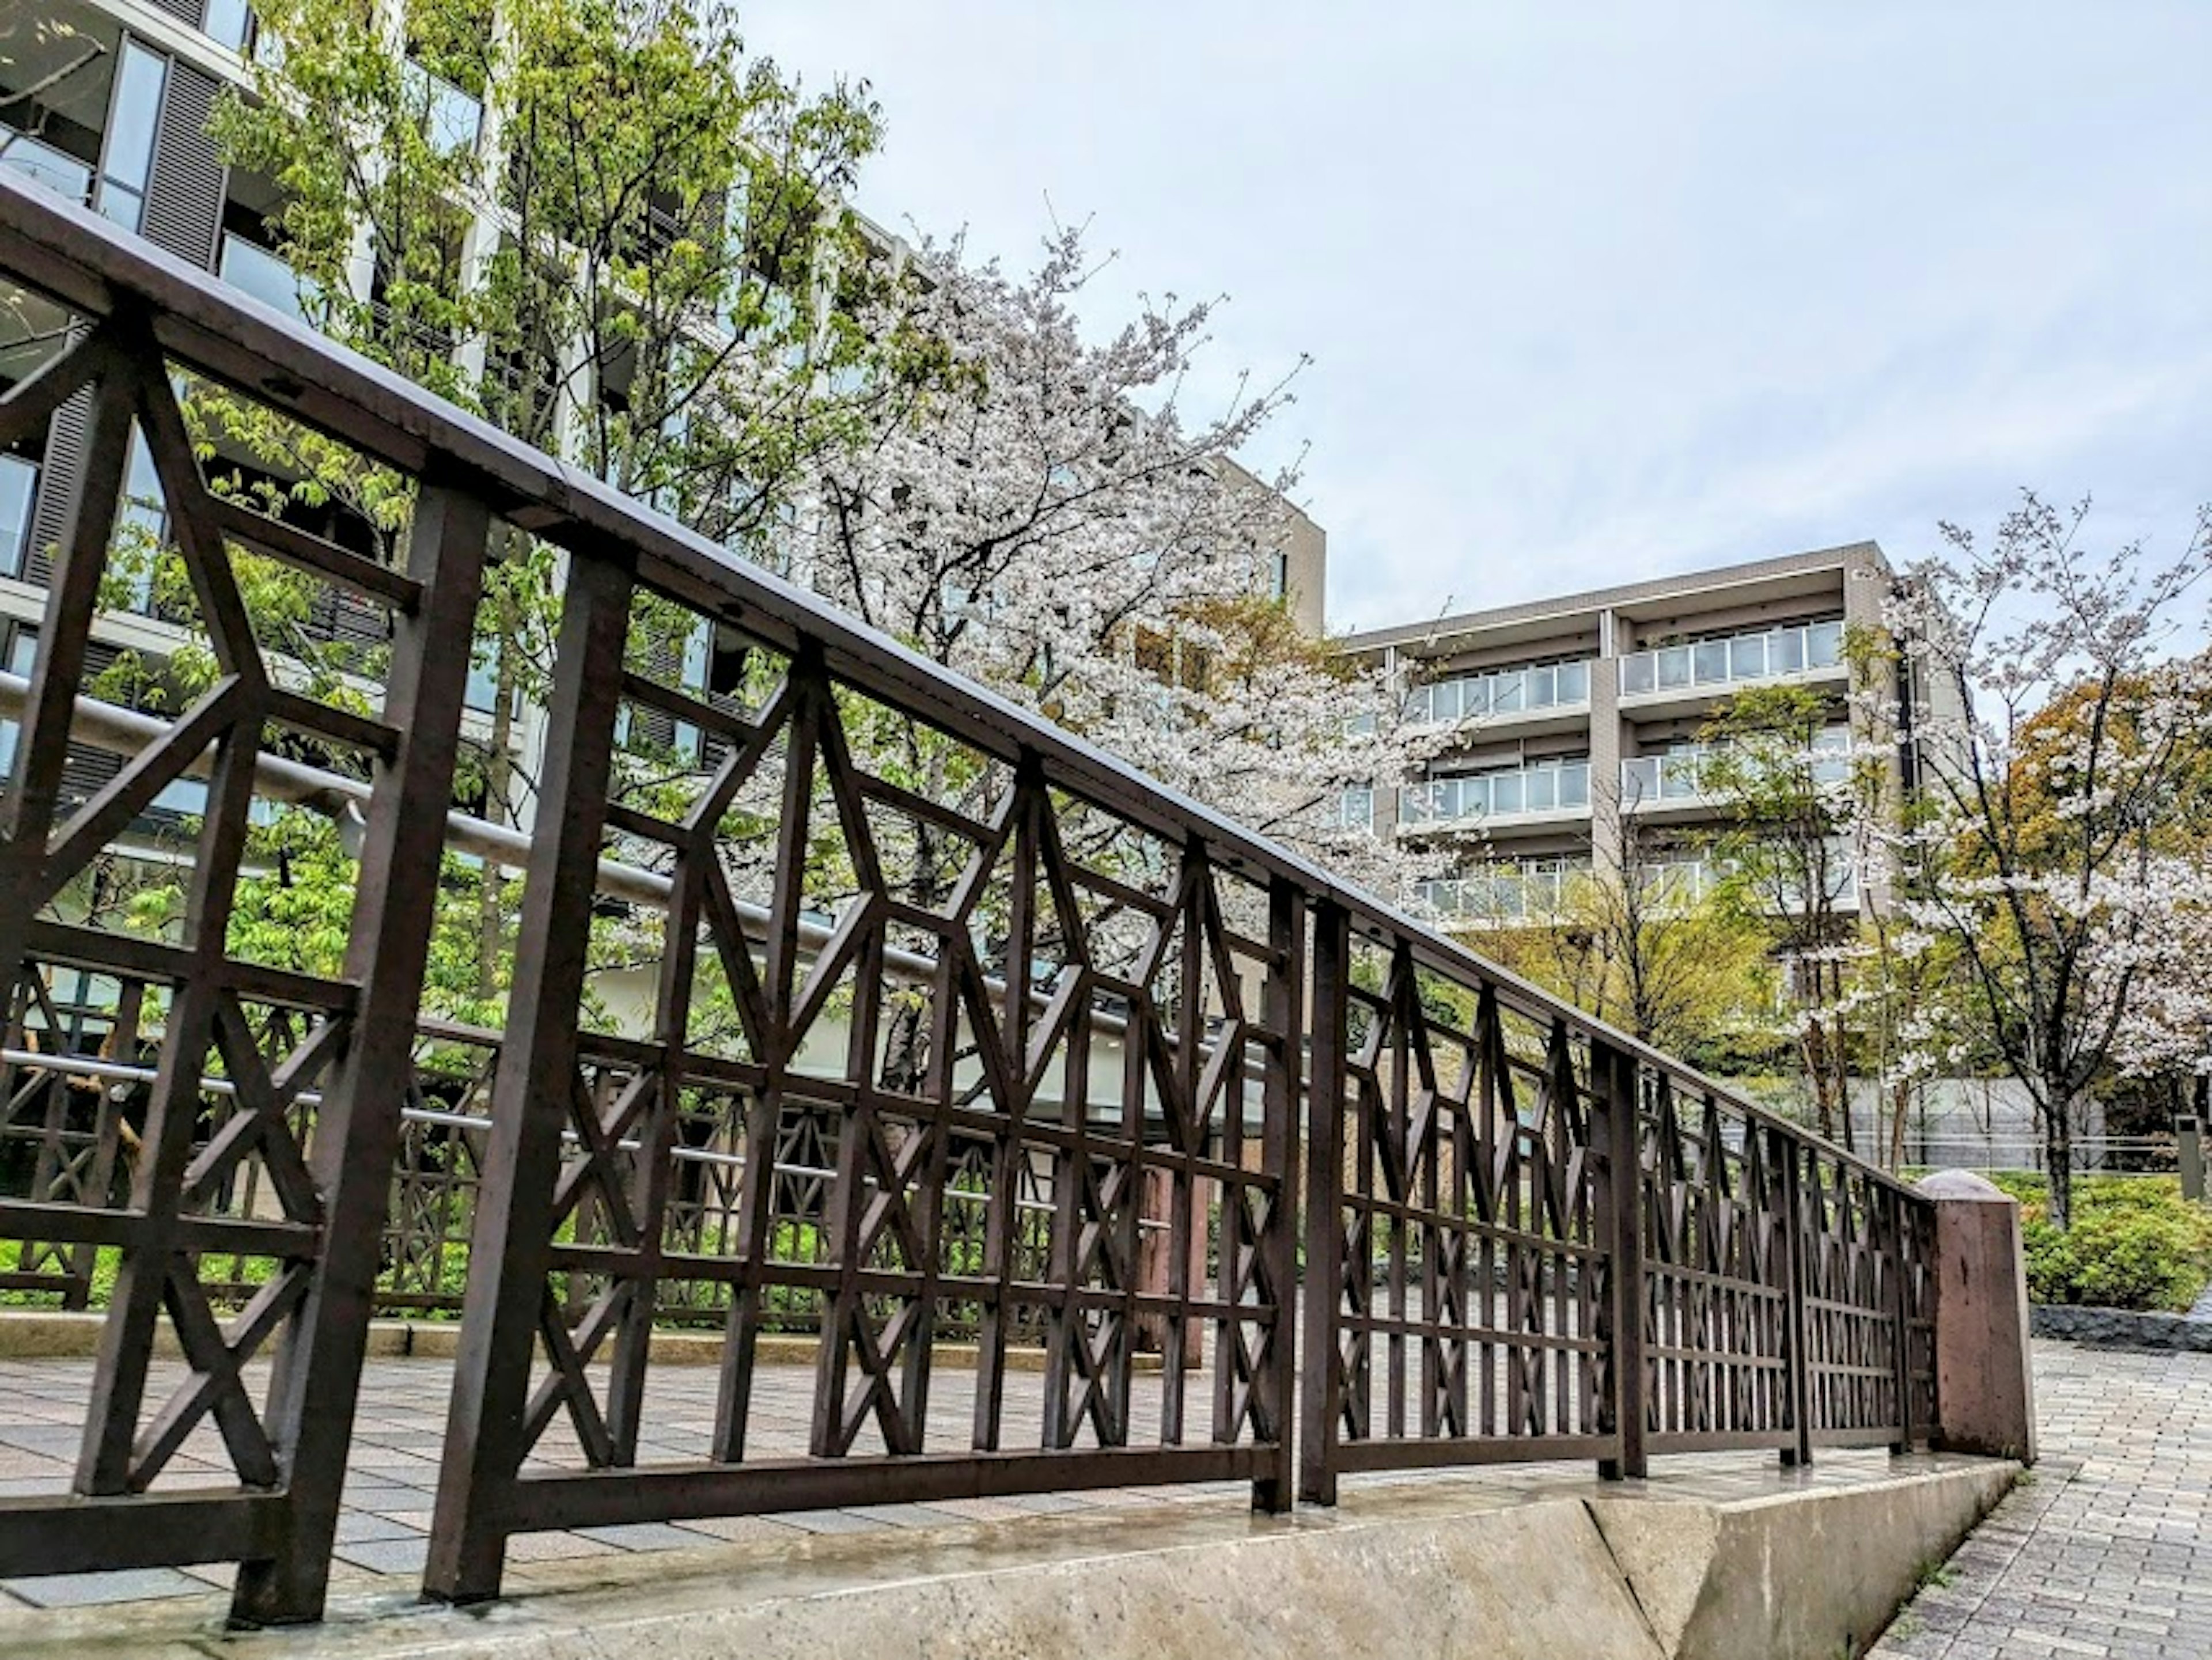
(1047, 516)
(2061, 703)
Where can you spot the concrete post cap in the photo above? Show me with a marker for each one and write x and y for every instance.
(1962, 1184)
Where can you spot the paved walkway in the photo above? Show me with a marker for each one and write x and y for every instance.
(2107, 1548)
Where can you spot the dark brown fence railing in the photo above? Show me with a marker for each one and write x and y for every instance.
(1013, 1121)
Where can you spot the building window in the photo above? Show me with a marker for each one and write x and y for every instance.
(1278, 574)
(128, 163)
(1355, 808)
(229, 23)
(22, 656)
(19, 487)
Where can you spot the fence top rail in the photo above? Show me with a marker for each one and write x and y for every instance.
(103, 272)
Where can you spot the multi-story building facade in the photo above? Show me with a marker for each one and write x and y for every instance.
(1570, 727)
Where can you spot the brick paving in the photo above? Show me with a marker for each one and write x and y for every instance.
(2106, 1549)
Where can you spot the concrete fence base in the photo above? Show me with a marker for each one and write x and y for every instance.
(1810, 1568)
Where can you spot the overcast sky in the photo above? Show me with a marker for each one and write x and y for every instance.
(1604, 291)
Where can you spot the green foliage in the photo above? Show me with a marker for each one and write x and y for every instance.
(2133, 1243)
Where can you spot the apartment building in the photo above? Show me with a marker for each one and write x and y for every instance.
(1573, 723)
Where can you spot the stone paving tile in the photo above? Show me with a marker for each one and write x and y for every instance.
(77, 1590)
(2106, 1547)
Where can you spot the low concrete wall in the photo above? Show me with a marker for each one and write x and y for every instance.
(2121, 1329)
(1797, 1576)
(1543, 1566)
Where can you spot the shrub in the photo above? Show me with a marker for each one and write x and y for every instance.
(2134, 1244)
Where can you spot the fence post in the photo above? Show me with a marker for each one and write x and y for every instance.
(532, 1094)
(1984, 1380)
(1620, 1212)
(2189, 1137)
(1322, 1393)
(357, 1137)
(1282, 1006)
(1801, 1371)
(1900, 1315)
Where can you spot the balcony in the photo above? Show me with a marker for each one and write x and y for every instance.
(1553, 789)
(43, 164)
(1678, 777)
(1539, 689)
(1505, 893)
(1703, 666)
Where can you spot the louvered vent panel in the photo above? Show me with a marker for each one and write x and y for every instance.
(58, 474)
(184, 197)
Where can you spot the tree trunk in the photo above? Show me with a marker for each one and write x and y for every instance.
(1900, 1104)
(2058, 1157)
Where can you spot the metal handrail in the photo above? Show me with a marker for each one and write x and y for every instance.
(90, 264)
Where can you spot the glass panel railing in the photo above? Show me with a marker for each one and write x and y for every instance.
(1562, 787)
(1679, 774)
(1734, 658)
(42, 164)
(1504, 893)
(1512, 692)
(254, 270)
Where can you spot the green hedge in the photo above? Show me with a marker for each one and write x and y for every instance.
(2136, 1243)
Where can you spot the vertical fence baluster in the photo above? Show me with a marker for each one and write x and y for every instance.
(1323, 1375)
(1900, 1309)
(1282, 1007)
(1801, 1371)
(1621, 1239)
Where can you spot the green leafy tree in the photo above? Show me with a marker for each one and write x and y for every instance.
(602, 226)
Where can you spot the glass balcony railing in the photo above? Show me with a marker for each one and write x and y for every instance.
(1552, 787)
(1512, 692)
(43, 164)
(1681, 774)
(1676, 776)
(1734, 658)
(1505, 893)
(254, 270)
(1680, 882)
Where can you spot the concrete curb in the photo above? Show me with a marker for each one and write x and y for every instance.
(54, 1334)
(2120, 1328)
(1663, 1570)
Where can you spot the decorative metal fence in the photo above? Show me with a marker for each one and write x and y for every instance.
(951, 1027)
